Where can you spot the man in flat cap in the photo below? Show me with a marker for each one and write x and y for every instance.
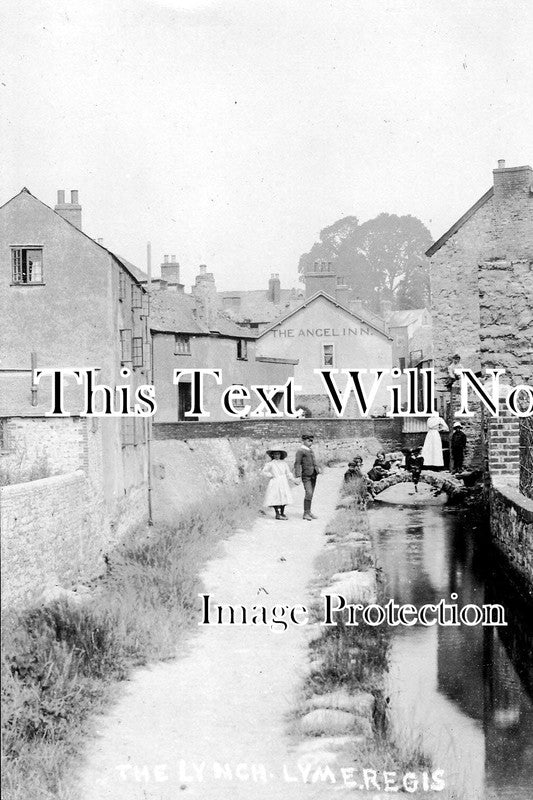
(305, 467)
(458, 447)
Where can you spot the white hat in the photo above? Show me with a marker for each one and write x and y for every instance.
(457, 425)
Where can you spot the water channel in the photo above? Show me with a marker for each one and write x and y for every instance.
(463, 693)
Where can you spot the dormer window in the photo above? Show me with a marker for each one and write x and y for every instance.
(27, 265)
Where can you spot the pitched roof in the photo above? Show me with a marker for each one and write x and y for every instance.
(460, 222)
(256, 306)
(174, 312)
(138, 274)
(355, 314)
(134, 271)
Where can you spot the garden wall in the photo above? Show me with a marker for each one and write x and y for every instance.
(48, 536)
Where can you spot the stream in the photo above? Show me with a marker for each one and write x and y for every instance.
(464, 694)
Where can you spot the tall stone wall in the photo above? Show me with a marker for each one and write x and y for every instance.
(48, 536)
(482, 293)
(57, 528)
(51, 446)
(498, 234)
(506, 317)
(454, 292)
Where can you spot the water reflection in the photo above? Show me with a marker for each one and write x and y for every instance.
(466, 692)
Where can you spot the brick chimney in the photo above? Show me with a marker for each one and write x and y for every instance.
(343, 292)
(512, 180)
(274, 288)
(170, 273)
(321, 278)
(69, 211)
(205, 293)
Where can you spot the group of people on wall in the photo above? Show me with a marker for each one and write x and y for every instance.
(306, 468)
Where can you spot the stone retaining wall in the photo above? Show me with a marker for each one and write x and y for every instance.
(48, 536)
(512, 529)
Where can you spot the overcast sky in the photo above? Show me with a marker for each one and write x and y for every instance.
(230, 132)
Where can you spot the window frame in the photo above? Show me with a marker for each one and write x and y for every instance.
(242, 349)
(136, 296)
(19, 249)
(137, 348)
(323, 346)
(126, 339)
(185, 339)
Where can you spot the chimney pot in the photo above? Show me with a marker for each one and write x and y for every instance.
(501, 163)
(165, 259)
(69, 211)
(203, 269)
(100, 240)
(173, 258)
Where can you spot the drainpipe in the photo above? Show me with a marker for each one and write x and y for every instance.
(33, 384)
(148, 420)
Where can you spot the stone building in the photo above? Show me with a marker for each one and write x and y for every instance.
(66, 301)
(321, 332)
(481, 262)
(189, 332)
(482, 307)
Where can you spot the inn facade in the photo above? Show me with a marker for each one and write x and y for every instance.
(322, 333)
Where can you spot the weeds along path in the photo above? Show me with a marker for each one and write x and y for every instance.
(182, 729)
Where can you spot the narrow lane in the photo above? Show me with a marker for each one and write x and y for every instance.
(226, 702)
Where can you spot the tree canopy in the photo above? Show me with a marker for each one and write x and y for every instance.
(382, 259)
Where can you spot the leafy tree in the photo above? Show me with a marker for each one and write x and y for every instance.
(382, 259)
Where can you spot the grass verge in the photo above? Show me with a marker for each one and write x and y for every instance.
(61, 662)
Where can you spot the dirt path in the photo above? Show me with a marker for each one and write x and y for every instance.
(225, 702)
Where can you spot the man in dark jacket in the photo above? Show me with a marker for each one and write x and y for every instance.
(458, 446)
(305, 467)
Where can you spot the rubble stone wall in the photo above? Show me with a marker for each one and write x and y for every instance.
(47, 535)
(512, 529)
(506, 317)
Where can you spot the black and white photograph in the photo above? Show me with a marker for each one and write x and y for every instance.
(266, 399)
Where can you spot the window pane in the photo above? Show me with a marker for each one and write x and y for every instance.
(327, 355)
(27, 265)
(34, 262)
(137, 354)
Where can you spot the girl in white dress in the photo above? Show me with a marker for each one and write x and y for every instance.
(278, 493)
(432, 449)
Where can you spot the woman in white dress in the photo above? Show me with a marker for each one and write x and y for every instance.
(278, 493)
(432, 449)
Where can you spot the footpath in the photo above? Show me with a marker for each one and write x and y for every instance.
(213, 724)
